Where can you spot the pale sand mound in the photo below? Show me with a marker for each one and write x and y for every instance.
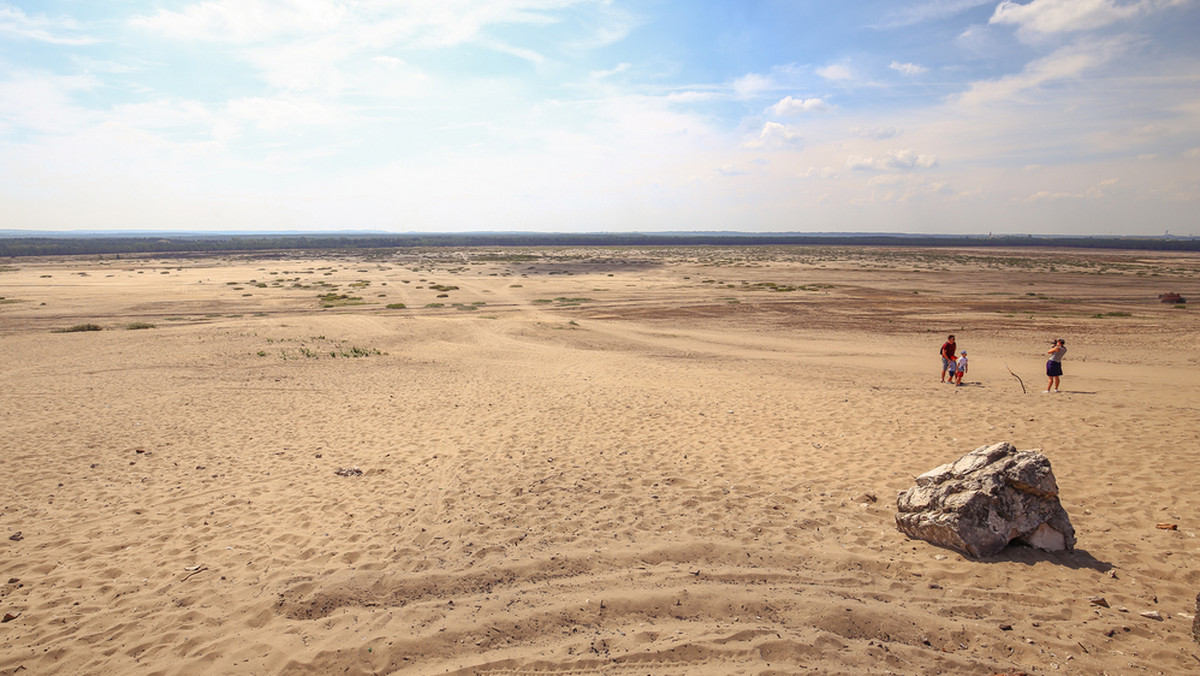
(607, 466)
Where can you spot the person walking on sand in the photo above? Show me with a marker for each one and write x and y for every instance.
(948, 351)
(961, 368)
(1054, 365)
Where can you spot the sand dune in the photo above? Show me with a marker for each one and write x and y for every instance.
(666, 461)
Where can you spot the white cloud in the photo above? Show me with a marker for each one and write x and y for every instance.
(1100, 190)
(693, 96)
(244, 20)
(822, 172)
(908, 69)
(15, 23)
(875, 133)
(836, 71)
(789, 106)
(1065, 63)
(894, 160)
(775, 136)
(162, 114)
(44, 103)
(929, 11)
(1046, 196)
(751, 85)
(379, 23)
(1061, 16)
(388, 61)
(615, 70)
(277, 114)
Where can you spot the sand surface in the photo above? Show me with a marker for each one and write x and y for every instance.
(615, 461)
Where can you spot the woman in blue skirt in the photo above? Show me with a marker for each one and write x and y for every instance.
(1054, 365)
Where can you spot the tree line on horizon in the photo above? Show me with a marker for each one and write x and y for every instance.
(96, 245)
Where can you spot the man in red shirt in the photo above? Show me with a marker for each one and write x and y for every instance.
(948, 355)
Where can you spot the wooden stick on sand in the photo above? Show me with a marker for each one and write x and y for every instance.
(1023, 390)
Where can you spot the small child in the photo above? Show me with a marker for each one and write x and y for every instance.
(960, 368)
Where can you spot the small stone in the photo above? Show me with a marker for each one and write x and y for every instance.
(9, 617)
(1167, 526)
(1110, 633)
(1006, 627)
(1152, 615)
(16, 537)
(1099, 601)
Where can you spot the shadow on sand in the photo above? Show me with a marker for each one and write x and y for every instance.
(1076, 559)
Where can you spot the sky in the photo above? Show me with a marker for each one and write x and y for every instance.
(1074, 117)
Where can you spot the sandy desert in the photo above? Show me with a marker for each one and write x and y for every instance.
(586, 460)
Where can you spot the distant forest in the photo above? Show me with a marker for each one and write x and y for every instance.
(93, 245)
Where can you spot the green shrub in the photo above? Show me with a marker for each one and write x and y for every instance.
(79, 327)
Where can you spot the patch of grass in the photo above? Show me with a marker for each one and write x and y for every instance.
(339, 300)
(135, 326)
(443, 287)
(354, 353)
(506, 257)
(395, 306)
(79, 327)
(435, 305)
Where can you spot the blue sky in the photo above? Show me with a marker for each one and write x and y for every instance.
(932, 116)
